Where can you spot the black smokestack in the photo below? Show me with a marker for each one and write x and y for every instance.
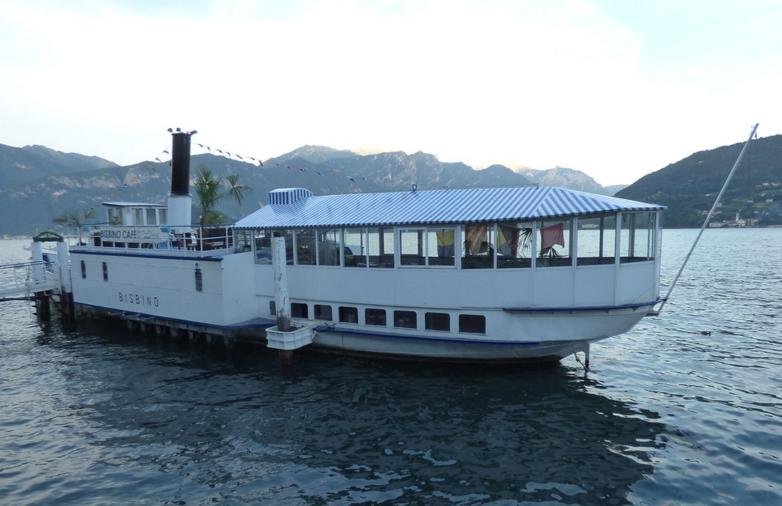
(180, 163)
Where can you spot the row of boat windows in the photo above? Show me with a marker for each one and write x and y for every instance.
(577, 241)
(137, 216)
(403, 319)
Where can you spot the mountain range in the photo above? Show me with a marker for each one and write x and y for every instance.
(37, 183)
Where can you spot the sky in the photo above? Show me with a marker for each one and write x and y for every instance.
(615, 88)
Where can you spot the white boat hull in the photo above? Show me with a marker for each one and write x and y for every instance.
(590, 326)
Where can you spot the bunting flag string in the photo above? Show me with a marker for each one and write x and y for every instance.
(165, 156)
(228, 154)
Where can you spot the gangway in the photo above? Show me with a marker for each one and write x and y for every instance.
(21, 281)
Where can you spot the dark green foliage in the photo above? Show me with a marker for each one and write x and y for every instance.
(689, 186)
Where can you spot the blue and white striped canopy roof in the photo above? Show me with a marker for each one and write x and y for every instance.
(468, 205)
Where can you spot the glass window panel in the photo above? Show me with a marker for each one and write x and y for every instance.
(437, 321)
(553, 243)
(348, 314)
(472, 323)
(162, 216)
(115, 216)
(440, 246)
(355, 247)
(375, 317)
(305, 247)
(596, 240)
(380, 243)
(405, 319)
(626, 237)
(413, 248)
(514, 245)
(139, 216)
(299, 310)
(263, 247)
(328, 247)
(322, 312)
(477, 247)
(151, 218)
(644, 236)
(288, 235)
(241, 242)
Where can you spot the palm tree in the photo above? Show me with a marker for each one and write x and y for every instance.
(208, 191)
(207, 188)
(235, 189)
(75, 219)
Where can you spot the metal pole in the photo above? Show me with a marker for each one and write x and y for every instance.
(708, 216)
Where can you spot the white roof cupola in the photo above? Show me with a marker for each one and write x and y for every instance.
(286, 196)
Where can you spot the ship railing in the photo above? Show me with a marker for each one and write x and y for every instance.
(175, 240)
(24, 278)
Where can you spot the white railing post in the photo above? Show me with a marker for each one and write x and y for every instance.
(281, 300)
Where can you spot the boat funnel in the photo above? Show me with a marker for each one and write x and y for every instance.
(180, 163)
(179, 201)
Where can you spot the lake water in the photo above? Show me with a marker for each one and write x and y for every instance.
(668, 414)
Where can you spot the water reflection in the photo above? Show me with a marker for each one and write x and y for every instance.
(353, 430)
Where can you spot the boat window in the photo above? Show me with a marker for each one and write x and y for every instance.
(199, 279)
(437, 321)
(305, 247)
(263, 246)
(380, 243)
(355, 247)
(162, 216)
(107, 244)
(348, 314)
(83, 270)
(637, 237)
(299, 310)
(439, 246)
(375, 317)
(477, 247)
(553, 243)
(322, 312)
(241, 241)
(151, 217)
(472, 323)
(596, 240)
(405, 319)
(272, 308)
(288, 235)
(133, 245)
(413, 247)
(514, 245)
(139, 216)
(115, 216)
(328, 247)
(119, 244)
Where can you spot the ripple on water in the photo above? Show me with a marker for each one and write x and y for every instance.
(669, 413)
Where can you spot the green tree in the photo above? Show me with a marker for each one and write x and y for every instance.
(209, 191)
(235, 189)
(75, 219)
